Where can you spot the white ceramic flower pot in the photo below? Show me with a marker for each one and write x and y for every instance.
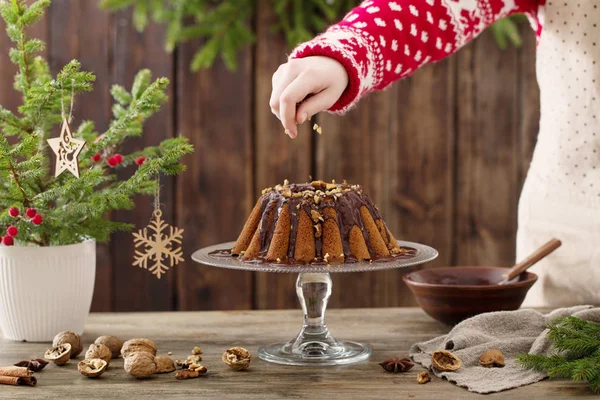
(45, 290)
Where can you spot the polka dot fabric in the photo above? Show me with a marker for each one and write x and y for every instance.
(561, 197)
(380, 42)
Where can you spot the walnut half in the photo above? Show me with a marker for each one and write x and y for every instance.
(237, 358)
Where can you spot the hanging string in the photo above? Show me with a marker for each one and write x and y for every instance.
(157, 211)
(62, 100)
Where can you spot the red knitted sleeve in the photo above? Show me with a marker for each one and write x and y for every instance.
(382, 41)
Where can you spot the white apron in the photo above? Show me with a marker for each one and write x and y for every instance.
(561, 197)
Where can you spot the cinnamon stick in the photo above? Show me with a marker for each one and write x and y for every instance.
(19, 372)
(18, 380)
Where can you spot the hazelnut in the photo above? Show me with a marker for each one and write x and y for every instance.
(164, 365)
(69, 337)
(237, 358)
(492, 358)
(98, 351)
(140, 365)
(92, 368)
(138, 345)
(59, 355)
(423, 377)
(443, 360)
(113, 343)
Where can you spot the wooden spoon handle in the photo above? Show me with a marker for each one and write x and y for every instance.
(536, 256)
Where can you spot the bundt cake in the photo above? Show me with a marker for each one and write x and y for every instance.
(315, 222)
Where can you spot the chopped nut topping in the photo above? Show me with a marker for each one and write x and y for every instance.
(314, 214)
(331, 186)
(317, 199)
(278, 259)
(267, 190)
(196, 350)
(286, 192)
(326, 257)
(286, 182)
(318, 230)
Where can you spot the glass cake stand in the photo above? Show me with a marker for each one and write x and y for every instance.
(314, 345)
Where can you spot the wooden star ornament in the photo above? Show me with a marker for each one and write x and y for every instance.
(67, 150)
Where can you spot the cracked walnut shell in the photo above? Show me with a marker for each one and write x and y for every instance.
(164, 365)
(92, 368)
(443, 360)
(140, 365)
(237, 358)
(98, 351)
(138, 345)
(60, 354)
(113, 343)
(492, 358)
(69, 337)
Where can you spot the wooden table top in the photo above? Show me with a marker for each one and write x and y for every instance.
(389, 331)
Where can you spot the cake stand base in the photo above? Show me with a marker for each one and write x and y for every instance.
(314, 345)
(315, 353)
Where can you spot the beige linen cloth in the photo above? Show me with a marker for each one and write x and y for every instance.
(513, 332)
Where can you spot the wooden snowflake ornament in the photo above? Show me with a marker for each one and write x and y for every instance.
(67, 150)
(158, 248)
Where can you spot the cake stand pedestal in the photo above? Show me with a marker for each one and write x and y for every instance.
(314, 344)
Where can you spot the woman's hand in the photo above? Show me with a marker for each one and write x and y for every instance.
(322, 77)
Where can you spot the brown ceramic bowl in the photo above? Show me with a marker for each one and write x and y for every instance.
(452, 294)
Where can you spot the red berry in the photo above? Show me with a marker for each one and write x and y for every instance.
(112, 161)
(96, 157)
(31, 212)
(12, 231)
(119, 158)
(8, 241)
(37, 220)
(13, 212)
(140, 160)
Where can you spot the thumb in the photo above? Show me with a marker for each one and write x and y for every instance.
(314, 104)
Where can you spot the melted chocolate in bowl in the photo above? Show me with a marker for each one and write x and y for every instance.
(452, 294)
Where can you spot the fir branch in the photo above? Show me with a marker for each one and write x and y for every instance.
(577, 352)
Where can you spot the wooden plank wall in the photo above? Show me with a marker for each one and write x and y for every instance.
(443, 153)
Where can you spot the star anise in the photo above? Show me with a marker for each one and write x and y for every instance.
(35, 365)
(397, 364)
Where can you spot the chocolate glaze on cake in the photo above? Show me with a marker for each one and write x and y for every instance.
(315, 222)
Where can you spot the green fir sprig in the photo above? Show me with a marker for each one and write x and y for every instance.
(577, 352)
(226, 25)
(73, 209)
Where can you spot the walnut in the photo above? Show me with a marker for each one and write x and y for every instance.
(492, 358)
(330, 186)
(69, 337)
(423, 377)
(193, 359)
(92, 368)
(113, 343)
(98, 351)
(237, 358)
(59, 355)
(138, 345)
(140, 365)
(286, 192)
(198, 368)
(187, 374)
(443, 360)
(164, 365)
(318, 184)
